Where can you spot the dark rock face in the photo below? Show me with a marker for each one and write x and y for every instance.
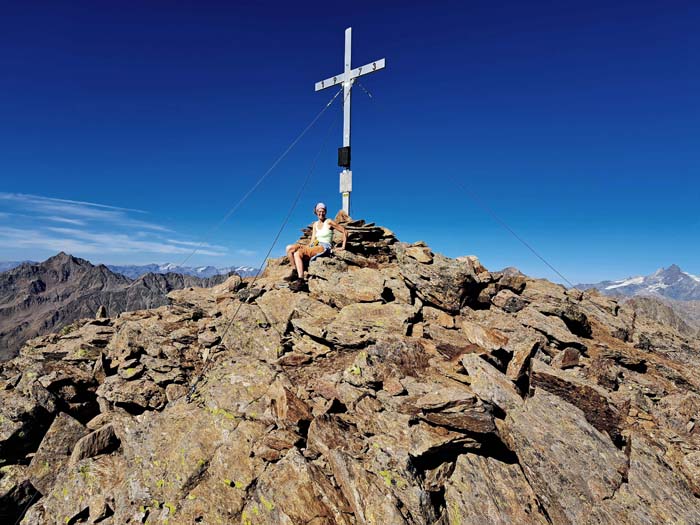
(668, 314)
(376, 395)
(437, 280)
(38, 298)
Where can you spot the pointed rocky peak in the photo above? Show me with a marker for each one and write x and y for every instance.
(65, 259)
(60, 257)
(511, 270)
(673, 270)
(673, 276)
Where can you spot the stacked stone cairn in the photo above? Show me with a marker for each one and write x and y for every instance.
(374, 243)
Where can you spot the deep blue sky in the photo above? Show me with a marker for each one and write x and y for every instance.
(577, 123)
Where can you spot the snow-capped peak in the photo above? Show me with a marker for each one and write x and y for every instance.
(671, 282)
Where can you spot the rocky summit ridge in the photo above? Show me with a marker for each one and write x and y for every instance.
(402, 387)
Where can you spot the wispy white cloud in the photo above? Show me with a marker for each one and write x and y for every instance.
(196, 244)
(66, 220)
(122, 243)
(80, 210)
(33, 239)
(32, 199)
(33, 223)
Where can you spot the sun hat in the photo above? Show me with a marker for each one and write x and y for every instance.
(320, 205)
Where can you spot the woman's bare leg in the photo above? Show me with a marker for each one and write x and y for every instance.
(299, 263)
(290, 253)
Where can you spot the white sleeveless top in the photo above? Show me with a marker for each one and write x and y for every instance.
(324, 233)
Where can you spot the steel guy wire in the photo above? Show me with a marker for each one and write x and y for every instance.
(365, 90)
(26, 507)
(492, 213)
(261, 179)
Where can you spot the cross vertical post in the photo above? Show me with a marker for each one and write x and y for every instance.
(347, 78)
(347, 87)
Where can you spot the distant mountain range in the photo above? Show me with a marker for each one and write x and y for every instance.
(670, 283)
(133, 271)
(38, 298)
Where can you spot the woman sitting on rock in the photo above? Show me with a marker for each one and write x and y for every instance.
(321, 239)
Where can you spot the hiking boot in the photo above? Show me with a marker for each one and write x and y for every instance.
(292, 276)
(298, 286)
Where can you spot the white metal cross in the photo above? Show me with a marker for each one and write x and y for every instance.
(347, 78)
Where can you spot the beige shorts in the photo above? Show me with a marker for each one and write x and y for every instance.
(307, 252)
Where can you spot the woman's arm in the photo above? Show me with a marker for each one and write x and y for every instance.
(342, 230)
(313, 234)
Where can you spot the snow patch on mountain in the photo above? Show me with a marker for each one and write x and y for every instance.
(626, 282)
(693, 277)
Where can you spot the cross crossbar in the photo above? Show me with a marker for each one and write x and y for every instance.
(357, 72)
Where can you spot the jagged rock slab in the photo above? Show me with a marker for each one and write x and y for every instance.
(90, 491)
(16, 493)
(294, 491)
(653, 492)
(360, 324)
(522, 345)
(278, 307)
(361, 285)
(101, 441)
(22, 424)
(608, 313)
(572, 467)
(551, 326)
(399, 355)
(451, 343)
(142, 393)
(486, 338)
(597, 405)
(508, 301)
(312, 317)
(54, 451)
(484, 490)
(444, 283)
(490, 384)
(370, 496)
(456, 408)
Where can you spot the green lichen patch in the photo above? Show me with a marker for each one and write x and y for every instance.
(220, 412)
(267, 504)
(392, 479)
(84, 471)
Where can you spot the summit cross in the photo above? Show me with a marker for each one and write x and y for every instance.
(347, 78)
